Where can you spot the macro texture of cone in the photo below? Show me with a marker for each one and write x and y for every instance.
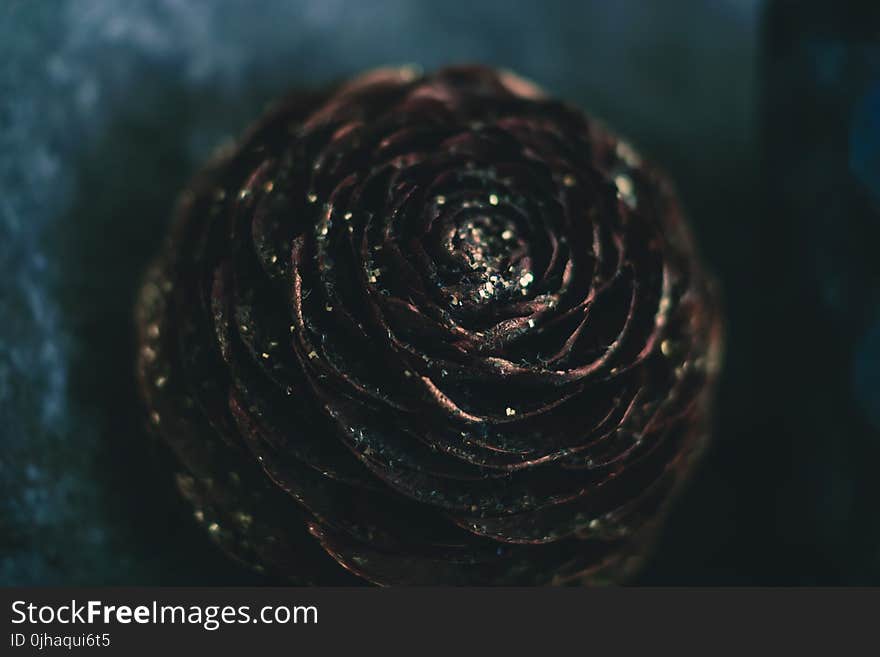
(430, 329)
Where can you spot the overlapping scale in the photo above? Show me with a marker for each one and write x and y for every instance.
(437, 329)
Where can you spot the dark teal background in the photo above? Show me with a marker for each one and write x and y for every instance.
(766, 115)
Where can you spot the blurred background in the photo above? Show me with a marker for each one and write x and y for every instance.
(766, 113)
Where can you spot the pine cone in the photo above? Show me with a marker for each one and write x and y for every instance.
(442, 329)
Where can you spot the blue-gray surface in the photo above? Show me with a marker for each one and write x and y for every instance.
(106, 107)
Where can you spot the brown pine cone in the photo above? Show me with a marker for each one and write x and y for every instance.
(441, 328)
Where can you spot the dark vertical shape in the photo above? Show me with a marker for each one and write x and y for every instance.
(821, 133)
